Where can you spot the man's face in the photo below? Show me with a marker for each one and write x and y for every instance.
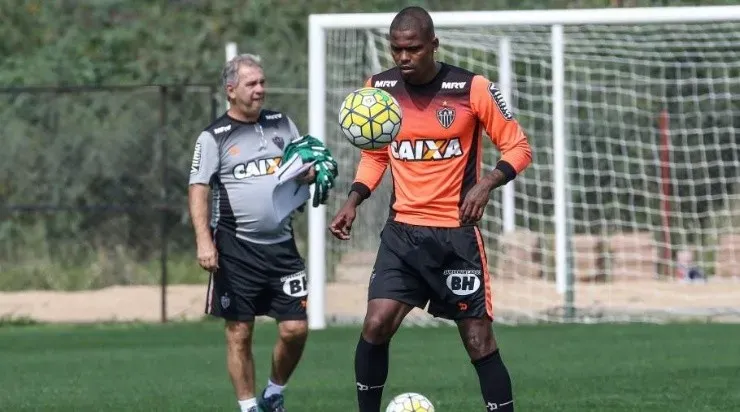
(413, 53)
(248, 95)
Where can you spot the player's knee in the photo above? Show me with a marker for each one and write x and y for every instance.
(478, 346)
(293, 331)
(382, 319)
(377, 328)
(478, 340)
(238, 334)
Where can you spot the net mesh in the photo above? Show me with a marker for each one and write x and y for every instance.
(652, 159)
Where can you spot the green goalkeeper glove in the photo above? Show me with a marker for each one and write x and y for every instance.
(311, 149)
(326, 172)
(304, 146)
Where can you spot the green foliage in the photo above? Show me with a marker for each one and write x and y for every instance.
(96, 171)
(86, 42)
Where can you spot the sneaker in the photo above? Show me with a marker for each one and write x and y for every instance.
(273, 403)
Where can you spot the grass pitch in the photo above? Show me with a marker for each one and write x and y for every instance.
(180, 367)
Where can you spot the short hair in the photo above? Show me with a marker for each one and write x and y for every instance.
(230, 73)
(413, 18)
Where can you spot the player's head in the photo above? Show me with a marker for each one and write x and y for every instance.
(413, 43)
(244, 83)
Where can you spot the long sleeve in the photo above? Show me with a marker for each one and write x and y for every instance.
(505, 132)
(370, 171)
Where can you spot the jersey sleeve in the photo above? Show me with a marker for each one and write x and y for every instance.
(498, 121)
(206, 158)
(371, 168)
(294, 133)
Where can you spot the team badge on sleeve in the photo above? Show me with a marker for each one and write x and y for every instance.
(500, 102)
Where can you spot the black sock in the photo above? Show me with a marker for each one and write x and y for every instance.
(371, 371)
(495, 383)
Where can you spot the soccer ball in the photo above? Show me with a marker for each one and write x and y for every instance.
(370, 118)
(410, 402)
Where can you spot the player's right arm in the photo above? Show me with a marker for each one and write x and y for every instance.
(369, 173)
(204, 166)
(370, 170)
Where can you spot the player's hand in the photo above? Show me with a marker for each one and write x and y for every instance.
(341, 225)
(207, 255)
(475, 203)
(308, 177)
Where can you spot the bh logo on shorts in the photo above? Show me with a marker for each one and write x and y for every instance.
(463, 282)
(295, 285)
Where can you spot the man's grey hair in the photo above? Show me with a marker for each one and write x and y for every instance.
(230, 74)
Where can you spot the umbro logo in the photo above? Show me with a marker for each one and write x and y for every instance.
(498, 98)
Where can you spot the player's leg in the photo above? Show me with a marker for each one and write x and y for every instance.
(240, 363)
(292, 336)
(393, 291)
(464, 295)
(382, 320)
(239, 360)
(233, 293)
(288, 301)
(493, 376)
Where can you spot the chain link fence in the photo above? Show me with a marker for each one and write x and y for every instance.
(93, 182)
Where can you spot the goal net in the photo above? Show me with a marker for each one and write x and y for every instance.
(630, 209)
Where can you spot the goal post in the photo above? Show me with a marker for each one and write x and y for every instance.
(597, 91)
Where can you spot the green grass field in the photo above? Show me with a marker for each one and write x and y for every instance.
(180, 367)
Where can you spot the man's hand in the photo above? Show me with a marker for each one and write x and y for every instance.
(474, 204)
(341, 225)
(198, 196)
(207, 255)
(308, 177)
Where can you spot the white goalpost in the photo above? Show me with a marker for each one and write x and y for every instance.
(230, 50)
(632, 117)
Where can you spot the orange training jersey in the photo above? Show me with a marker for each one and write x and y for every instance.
(436, 157)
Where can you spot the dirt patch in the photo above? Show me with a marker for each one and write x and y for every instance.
(517, 300)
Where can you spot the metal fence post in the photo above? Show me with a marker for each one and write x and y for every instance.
(163, 196)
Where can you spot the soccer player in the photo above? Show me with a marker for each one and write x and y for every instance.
(431, 250)
(255, 266)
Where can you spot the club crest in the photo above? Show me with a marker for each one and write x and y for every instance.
(500, 102)
(279, 142)
(446, 115)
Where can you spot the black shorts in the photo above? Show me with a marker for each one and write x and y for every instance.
(255, 280)
(445, 267)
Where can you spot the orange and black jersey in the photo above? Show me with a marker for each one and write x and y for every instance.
(436, 157)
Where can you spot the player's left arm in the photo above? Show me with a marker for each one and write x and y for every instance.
(505, 132)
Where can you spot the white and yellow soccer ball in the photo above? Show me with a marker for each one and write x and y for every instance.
(410, 402)
(370, 118)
